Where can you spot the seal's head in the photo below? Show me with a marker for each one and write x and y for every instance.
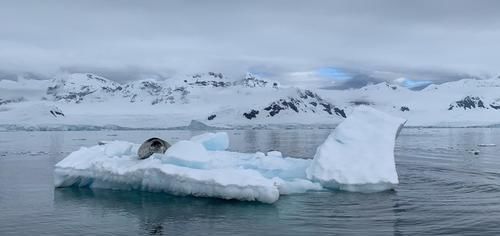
(151, 146)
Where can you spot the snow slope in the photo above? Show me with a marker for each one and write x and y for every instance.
(89, 101)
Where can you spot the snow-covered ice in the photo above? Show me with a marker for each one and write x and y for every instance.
(486, 145)
(213, 141)
(187, 168)
(359, 154)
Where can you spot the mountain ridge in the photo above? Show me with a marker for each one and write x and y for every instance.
(215, 99)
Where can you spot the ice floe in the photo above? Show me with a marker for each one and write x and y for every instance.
(357, 156)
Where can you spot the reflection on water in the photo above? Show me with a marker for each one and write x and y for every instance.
(444, 189)
(159, 214)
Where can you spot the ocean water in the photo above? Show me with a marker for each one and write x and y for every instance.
(444, 189)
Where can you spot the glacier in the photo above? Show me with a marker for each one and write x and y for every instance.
(357, 156)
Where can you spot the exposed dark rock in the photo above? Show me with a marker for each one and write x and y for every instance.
(211, 117)
(404, 108)
(111, 90)
(216, 75)
(393, 87)
(480, 104)
(95, 77)
(496, 107)
(77, 89)
(307, 94)
(305, 101)
(56, 112)
(361, 102)
(76, 97)
(468, 103)
(182, 90)
(282, 104)
(13, 100)
(273, 109)
(151, 87)
(252, 114)
(339, 112)
(252, 82)
(211, 83)
(327, 107)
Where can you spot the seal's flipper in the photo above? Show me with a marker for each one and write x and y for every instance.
(151, 146)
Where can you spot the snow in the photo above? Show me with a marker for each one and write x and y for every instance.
(116, 166)
(90, 101)
(213, 141)
(359, 154)
(187, 153)
(274, 153)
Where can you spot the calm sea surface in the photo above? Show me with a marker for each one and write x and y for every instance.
(444, 189)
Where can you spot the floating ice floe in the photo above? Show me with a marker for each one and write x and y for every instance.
(187, 168)
(486, 145)
(358, 155)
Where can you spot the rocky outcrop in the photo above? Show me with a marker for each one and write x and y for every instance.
(251, 81)
(211, 117)
(79, 87)
(11, 100)
(305, 101)
(404, 108)
(251, 114)
(468, 102)
(56, 112)
(211, 83)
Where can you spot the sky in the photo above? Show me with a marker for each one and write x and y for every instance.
(321, 43)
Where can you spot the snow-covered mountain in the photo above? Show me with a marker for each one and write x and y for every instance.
(79, 87)
(91, 100)
(88, 100)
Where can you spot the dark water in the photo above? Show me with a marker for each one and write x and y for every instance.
(444, 189)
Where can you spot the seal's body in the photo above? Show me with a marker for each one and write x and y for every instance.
(151, 146)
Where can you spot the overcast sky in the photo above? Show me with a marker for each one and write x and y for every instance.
(278, 38)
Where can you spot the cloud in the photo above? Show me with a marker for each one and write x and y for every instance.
(126, 39)
(412, 84)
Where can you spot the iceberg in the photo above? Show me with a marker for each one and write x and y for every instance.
(213, 141)
(359, 154)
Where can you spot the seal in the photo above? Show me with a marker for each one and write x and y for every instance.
(151, 146)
